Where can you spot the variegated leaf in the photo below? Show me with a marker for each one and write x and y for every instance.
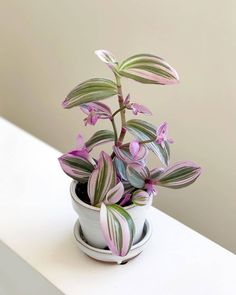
(102, 179)
(99, 137)
(101, 109)
(128, 187)
(156, 172)
(137, 174)
(90, 91)
(179, 175)
(118, 228)
(140, 198)
(120, 168)
(76, 167)
(148, 69)
(123, 153)
(146, 131)
(115, 194)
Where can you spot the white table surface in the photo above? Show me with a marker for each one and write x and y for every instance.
(36, 222)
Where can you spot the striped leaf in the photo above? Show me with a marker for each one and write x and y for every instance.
(100, 137)
(76, 167)
(140, 198)
(148, 69)
(90, 91)
(120, 168)
(123, 153)
(137, 174)
(102, 179)
(128, 187)
(118, 228)
(179, 175)
(146, 131)
(115, 194)
(101, 109)
(156, 172)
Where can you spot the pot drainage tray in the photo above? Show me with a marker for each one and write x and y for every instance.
(106, 255)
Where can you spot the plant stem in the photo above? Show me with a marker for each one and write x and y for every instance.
(119, 110)
(122, 111)
(114, 128)
(147, 141)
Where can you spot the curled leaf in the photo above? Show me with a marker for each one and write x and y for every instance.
(130, 154)
(115, 194)
(107, 57)
(140, 198)
(146, 131)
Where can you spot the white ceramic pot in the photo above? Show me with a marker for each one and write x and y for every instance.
(89, 218)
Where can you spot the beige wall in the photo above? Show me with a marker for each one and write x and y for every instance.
(47, 48)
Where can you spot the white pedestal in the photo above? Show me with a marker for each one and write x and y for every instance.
(38, 254)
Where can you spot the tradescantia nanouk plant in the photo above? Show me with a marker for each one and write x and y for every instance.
(122, 178)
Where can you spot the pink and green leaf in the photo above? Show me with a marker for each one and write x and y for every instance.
(120, 168)
(179, 175)
(140, 198)
(102, 179)
(101, 109)
(137, 174)
(146, 131)
(123, 153)
(118, 228)
(79, 168)
(100, 137)
(114, 194)
(90, 91)
(148, 69)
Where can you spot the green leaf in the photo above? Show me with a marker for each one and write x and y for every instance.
(100, 137)
(146, 131)
(118, 228)
(148, 69)
(89, 91)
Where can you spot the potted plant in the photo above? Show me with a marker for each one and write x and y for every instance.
(112, 192)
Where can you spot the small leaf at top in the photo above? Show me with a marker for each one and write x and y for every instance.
(108, 58)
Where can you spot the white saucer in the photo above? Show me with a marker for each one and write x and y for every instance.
(106, 255)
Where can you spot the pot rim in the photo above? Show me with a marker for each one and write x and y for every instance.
(79, 201)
